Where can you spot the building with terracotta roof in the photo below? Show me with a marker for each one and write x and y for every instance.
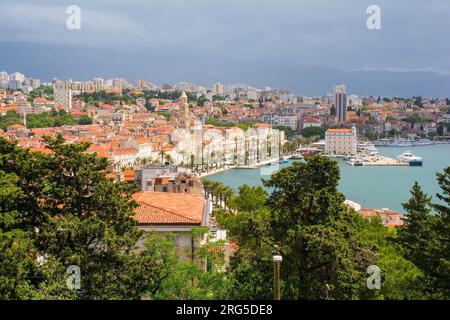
(176, 214)
(311, 122)
(389, 218)
(341, 142)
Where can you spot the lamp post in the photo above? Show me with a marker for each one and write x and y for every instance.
(277, 258)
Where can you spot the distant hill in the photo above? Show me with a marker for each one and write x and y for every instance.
(82, 63)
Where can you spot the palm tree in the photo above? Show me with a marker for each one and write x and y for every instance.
(228, 194)
(162, 154)
(207, 187)
(168, 158)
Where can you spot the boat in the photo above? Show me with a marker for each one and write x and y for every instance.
(296, 158)
(411, 159)
(405, 143)
(356, 162)
(424, 142)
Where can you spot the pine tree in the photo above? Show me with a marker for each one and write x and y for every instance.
(417, 233)
(61, 209)
(441, 268)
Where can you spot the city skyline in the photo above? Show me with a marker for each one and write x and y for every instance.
(290, 50)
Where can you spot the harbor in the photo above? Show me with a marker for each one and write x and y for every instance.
(370, 186)
(368, 155)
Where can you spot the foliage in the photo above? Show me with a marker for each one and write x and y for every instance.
(11, 117)
(425, 238)
(244, 126)
(287, 131)
(84, 120)
(314, 131)
(43, 120)
(60, 209)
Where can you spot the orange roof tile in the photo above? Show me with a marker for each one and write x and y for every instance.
(162, 208)
(339, 130)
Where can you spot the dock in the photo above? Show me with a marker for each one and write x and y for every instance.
(382, 161)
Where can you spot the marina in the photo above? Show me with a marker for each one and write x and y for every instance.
(370, 186)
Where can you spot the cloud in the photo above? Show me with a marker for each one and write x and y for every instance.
(214, 36)
(46, 24)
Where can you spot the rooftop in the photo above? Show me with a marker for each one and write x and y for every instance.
(162, 208)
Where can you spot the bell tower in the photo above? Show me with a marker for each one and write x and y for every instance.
(184, 111)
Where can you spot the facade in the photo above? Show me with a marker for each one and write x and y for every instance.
(341, 103)
(290, 121)
(311, 122)
(177, 214)
(63, 96)
(341, 142)
(168, 178)
(218, 89)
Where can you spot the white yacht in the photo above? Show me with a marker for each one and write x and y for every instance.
(356, 161)
(410, 158)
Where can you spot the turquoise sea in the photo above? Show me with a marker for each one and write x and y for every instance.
(372, 187)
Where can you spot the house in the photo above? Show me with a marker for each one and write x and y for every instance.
(174, 214)
(311, 122)
(388, 217)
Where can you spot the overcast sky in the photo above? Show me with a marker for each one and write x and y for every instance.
(202, 40)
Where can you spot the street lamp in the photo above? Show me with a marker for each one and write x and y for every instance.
(277, 258)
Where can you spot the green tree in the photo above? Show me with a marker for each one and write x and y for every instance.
(84, 120)
(324, 255)
(425, 238)
(441, 271)
(67, 212)
(314, 131)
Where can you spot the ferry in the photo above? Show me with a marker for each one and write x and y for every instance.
(408, 157)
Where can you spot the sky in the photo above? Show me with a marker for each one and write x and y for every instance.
(303, 45)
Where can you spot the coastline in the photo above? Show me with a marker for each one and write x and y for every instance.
(256, 166)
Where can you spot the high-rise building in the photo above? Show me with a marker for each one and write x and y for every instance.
(218, 89)
(98, 83)
(63, 95)
(15, 84)
(4, 76)
(17, 76)
(340, 102)
(4, 79)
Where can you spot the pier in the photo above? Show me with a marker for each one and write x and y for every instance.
(380, 160)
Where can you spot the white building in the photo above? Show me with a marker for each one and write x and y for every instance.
(15, 84)
(210, 147)
(17, 76)
(342, 142)
(311, 122)
(290, 121)
(4, 79)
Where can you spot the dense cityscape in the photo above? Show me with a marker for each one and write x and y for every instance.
(214, 159)
(165, 141)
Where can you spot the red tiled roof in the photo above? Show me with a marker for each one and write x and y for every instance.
(311, 120)
(339, 130)
(163, 208)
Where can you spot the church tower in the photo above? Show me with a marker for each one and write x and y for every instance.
(184, 111)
